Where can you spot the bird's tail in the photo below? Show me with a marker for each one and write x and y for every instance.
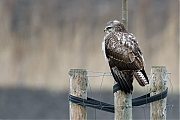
(141, 77)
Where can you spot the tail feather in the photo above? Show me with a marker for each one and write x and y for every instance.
(141, 77)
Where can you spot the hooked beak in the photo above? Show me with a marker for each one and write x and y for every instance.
(105, 29)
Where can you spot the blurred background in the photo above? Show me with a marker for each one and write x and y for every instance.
(41, 40)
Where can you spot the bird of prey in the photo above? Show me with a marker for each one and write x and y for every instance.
(125, 58)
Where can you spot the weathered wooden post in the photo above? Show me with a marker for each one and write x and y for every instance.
(123, 106)
(122, 101)
(78, 88)
(157, 85)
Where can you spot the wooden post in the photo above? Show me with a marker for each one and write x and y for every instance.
(78, 88)
(123, 106)
(158, 85)
(125, 13)
(122, 101)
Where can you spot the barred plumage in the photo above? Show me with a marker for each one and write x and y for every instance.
(125, 58)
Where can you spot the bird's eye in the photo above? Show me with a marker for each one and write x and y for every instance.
(109, 28)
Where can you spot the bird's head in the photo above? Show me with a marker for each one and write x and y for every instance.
(114, 25)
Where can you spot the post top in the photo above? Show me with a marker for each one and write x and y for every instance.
(158, 66)
(76, 71)
(158, 69)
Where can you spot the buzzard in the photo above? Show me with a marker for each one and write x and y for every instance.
(125, 58)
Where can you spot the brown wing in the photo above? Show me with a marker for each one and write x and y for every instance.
(125, 59)
(123, 49)
(123, 78)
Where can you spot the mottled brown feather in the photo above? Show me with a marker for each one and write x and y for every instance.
(117, 51)
(124, 56)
